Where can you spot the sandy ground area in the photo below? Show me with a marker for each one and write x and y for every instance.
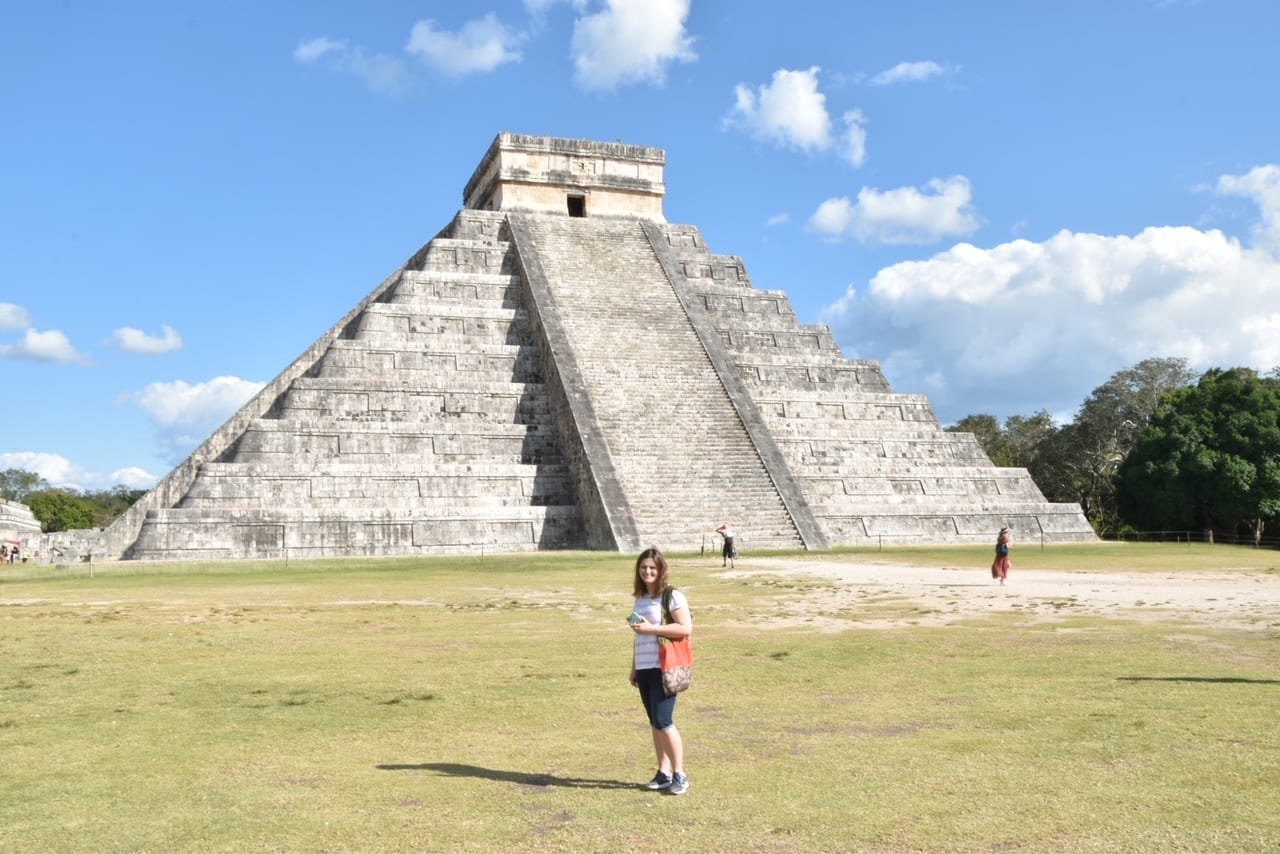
(917, 595)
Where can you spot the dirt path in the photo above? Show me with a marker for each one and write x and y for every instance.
(917, 595)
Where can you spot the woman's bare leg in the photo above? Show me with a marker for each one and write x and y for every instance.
(669, 746)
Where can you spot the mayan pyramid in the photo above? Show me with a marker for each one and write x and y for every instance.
(561, 368)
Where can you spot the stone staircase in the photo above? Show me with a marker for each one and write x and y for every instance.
(874, 465)
(680, 451)
(423, 427)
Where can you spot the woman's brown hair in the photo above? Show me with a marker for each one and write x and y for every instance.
(642, 589)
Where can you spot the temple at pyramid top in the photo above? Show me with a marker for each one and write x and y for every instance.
(576, 177)
(561, 368)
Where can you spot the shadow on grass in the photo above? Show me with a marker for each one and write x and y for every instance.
(451, 769)
(1224, 680)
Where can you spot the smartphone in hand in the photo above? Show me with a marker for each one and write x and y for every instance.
(634, 618)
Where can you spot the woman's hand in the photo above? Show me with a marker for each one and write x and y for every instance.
(633, 677)
(639, 628)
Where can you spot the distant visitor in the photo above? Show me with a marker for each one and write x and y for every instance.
(729, 552)
(1000, 566)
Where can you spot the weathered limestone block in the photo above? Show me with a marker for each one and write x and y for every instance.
(467, 256)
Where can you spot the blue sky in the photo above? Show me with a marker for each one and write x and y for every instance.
(1004, 202)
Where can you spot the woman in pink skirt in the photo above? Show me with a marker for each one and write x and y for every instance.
(1000, 566)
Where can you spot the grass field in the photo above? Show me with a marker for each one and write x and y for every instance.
(481, 704)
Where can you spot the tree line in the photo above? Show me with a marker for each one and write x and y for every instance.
(61, 508)
(1156, 447)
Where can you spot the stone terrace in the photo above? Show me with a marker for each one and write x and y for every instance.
(424, 428)
(875, 465)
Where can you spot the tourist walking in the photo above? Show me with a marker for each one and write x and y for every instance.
(729, 552)
(649, 624)
(1000, 566)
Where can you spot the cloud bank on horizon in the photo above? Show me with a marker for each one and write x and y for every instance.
(1072, 302)
(980, 322)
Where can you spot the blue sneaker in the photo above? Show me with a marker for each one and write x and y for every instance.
(679, 784)
(660, 781)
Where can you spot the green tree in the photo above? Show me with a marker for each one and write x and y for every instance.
(1025, 435)
(17, 484)
(61, 510)
(986, 429)
(108, 504)
(1013, 444)
(1080, 462)
(1210, 457)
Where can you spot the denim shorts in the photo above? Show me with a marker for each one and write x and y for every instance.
(657, 705)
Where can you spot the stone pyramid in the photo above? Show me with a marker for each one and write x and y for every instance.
(560, 368)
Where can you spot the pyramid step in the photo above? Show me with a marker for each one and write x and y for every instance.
(456, 442)
(501, 360)
(413, 406)
(478, 310)
(325, 426)
(232, 516)
(408, 467)
(427, 298)
(391, 459)
(435, 344)
(467, 256)
(263, 533)
(416, 384)
(427, 277)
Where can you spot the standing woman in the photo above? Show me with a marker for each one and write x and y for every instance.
(646, 672)
(1000, 567)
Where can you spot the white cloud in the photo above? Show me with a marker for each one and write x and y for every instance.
(538, 9)
(630, 41)
(778, 219)
(790, 111)
(833, 217)
(51, 346)
(907, 72)
(184, 415)
(13, 316)
(380, 72)
(62, 473)
(1025, 326)
(56, 469)
(134, 478)
(855, 144)
(1262, 185)
(903, 215)
(480, 46)
(312, 49)
(136, 341)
